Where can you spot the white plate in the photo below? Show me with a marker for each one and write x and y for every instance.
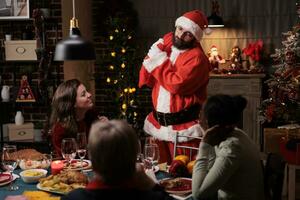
(47, 189)
(15, 176)
(88, 165)
(181, 197)
(178, 191)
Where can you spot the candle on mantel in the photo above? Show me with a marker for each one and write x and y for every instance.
(56, 166)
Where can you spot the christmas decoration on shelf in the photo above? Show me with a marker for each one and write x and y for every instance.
(252, 54)
(121, 66)
(214, 59)
(253, 51)
(235, 60)
(283, 103)
(25, 93)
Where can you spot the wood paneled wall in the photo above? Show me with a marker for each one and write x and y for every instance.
(245, 21)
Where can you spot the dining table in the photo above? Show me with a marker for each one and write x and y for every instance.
(4, 192)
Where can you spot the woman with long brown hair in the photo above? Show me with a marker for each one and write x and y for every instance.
(72, 112)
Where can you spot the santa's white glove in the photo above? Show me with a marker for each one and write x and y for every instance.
(155, 49)
(155, 56)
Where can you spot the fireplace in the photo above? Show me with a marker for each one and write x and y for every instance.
(249, 86)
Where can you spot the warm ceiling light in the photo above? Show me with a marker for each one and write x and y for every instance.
(74, 47)
(215, 20)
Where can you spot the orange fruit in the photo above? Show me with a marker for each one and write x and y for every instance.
(190, 166)
(183, 158)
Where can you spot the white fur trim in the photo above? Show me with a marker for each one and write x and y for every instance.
(163, 100)
(164, 96)
(190, 25)
(158, 59)
(166, 133)
(175, 53)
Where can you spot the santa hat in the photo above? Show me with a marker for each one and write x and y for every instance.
(195, 22)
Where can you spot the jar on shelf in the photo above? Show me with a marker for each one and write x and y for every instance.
(5, 93)
(19, 119)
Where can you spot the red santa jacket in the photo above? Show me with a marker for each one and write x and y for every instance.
(178, 79)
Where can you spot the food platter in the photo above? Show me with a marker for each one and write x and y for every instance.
(63, 182)
(179, 186)
(51, 190)
(77, 165)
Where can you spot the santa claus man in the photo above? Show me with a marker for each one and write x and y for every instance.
(177, 70)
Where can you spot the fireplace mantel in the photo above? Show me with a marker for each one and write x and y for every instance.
(250, 87)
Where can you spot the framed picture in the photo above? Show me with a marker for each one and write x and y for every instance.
(14, 9)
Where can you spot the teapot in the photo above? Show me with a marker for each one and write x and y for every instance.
(5, 93)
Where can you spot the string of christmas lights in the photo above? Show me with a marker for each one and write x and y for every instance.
(121, 64)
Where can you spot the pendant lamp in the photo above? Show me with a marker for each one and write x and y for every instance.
(215, 20)
(74, 47)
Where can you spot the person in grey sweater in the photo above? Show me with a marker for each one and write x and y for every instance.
(228, 163)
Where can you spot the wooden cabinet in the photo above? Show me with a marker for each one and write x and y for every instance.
(250, 87)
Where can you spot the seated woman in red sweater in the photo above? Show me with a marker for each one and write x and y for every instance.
(72, 112)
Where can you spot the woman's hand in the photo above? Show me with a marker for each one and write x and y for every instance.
(216, 134)
(211, 135)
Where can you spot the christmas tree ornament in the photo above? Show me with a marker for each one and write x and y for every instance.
(25, 93)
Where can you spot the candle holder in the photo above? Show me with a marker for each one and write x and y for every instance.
(56, 167)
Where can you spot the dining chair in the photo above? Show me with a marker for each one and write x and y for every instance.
(274, 176)
(187, 150)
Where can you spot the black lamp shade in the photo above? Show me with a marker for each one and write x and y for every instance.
(74, 48)
(215, 20)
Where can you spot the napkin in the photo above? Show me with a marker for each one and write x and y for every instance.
(16, 197)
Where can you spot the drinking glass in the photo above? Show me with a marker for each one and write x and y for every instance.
(140, 156)
(68, 149)
(149, 140)
(151, 155)
(81, 146)
(10, 162)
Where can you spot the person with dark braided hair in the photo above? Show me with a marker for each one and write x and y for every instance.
(228, 163)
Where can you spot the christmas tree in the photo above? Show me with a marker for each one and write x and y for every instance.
(283, 103)
(121, 62)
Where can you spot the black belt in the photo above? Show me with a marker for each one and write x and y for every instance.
(186, 115)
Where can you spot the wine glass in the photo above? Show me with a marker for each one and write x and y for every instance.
(10, 162)
(140, 156)
(156, 157)
(81, 146)
(68, 149)
(151, 155)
